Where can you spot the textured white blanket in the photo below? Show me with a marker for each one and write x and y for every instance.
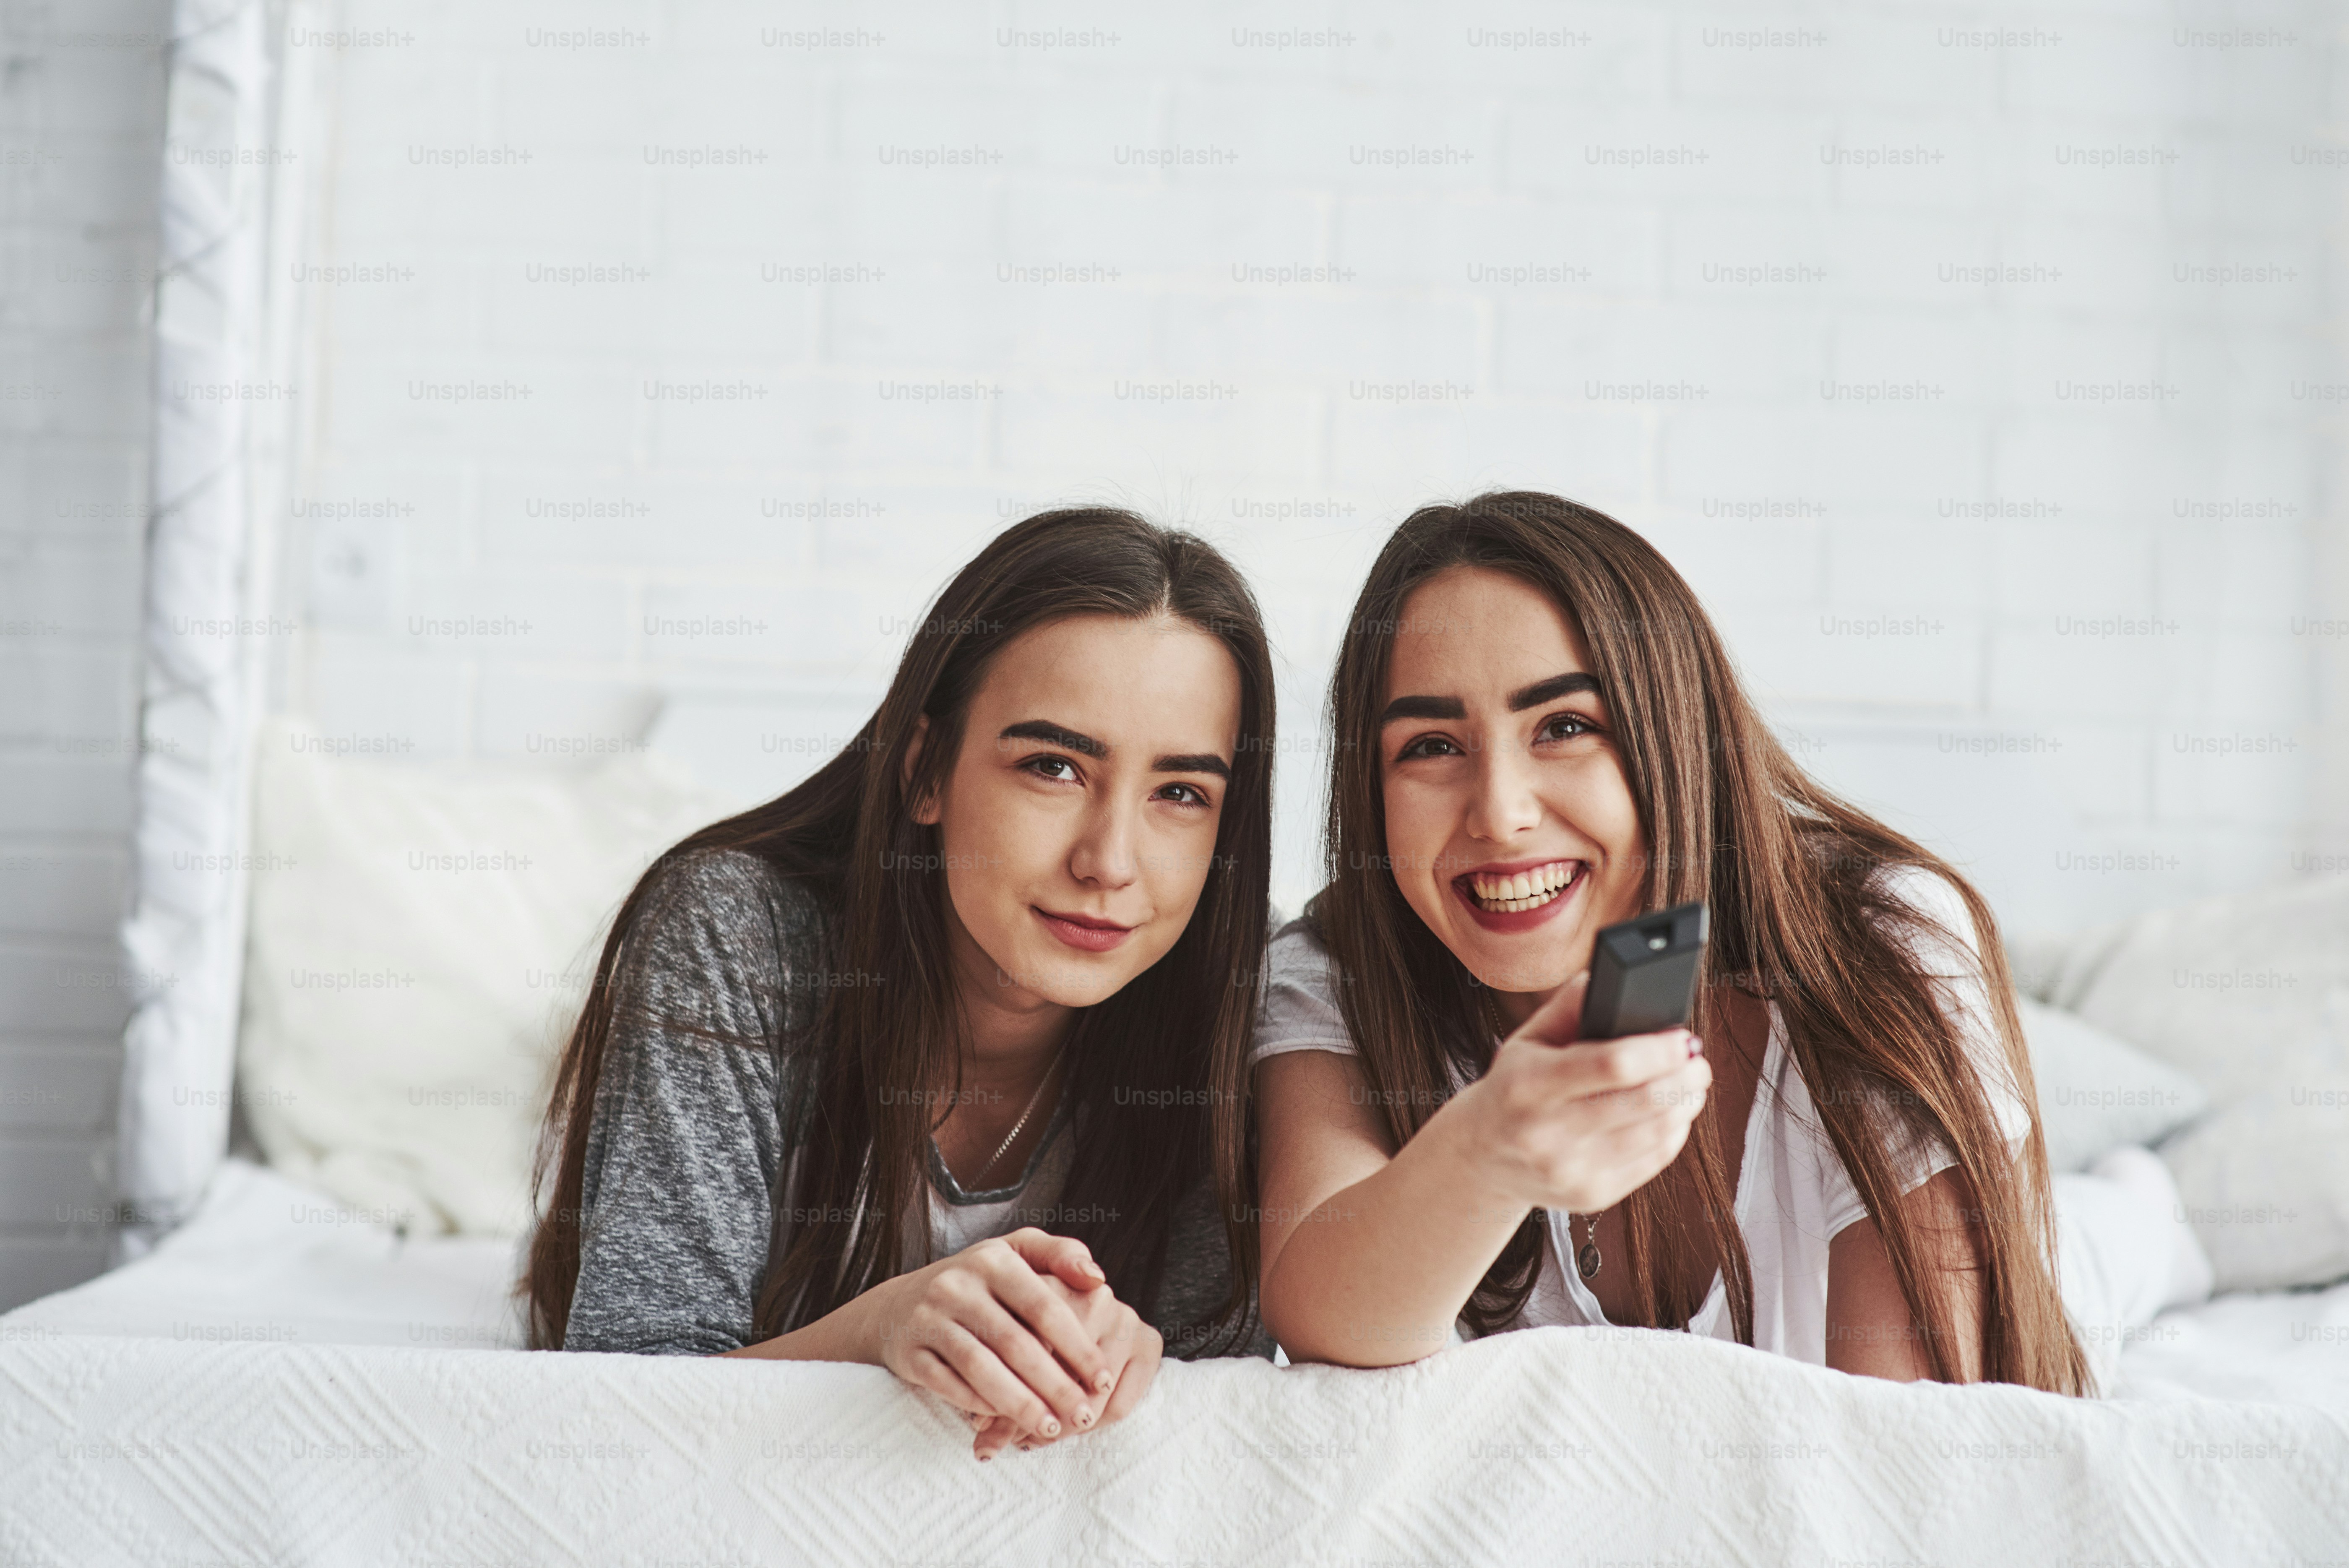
(1584, 1447)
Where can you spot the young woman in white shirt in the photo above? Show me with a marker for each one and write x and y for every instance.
(1539, 733)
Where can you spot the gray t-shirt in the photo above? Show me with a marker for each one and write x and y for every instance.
(714, 1001)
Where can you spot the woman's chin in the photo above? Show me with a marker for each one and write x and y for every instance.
(1059, 978)
(1078, 994)
(1539, 980)
(1539, 960)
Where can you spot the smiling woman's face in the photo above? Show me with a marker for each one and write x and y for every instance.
(1078, 823)
(1512, 831)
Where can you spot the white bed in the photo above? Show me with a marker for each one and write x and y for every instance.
(288, 1377)
(258, 1265)
(1576, 1445)
(203, 1397)
(265, 1260)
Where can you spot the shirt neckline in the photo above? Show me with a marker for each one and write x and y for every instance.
(949, 1191)
(1702, 1320)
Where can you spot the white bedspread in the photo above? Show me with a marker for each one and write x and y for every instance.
(269, 1260)
(1579, 1446)
(295, 1398)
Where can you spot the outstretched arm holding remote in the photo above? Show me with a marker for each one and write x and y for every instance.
(1371, 1252)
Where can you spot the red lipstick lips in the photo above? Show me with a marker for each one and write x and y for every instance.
(1083, 932)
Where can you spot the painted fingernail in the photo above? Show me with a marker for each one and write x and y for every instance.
(1027, 1448)
(1101, 1380)
(1696, 1046)
(984, 1457)
(1084, 1415)
(1052, 1426)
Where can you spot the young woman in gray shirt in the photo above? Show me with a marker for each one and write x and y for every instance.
(933, 1062)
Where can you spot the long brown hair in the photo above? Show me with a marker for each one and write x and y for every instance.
(1176, 1037)
(1787, 868)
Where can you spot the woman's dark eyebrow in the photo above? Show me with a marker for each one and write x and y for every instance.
(1523, 698)
(1195, 763)
(1422, 708)
(1550, 691)
(1054, 735)
(1060, 735)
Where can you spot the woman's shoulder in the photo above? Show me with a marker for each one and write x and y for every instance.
(721, 922)
(1297, 960)
(1297, 947)
(724, 875)
(1930, 916)
(1300, 1010)
(1924, 909)
(729, 888)
(1928, 890)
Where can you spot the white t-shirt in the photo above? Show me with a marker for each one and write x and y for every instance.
(1793, 1192)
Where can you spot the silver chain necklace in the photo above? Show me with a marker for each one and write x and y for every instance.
(979, 1182)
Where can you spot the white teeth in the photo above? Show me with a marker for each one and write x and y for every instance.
(1522, 889)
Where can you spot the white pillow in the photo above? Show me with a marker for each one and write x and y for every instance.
(2265, 1184)
(2096, 1093)
(418, 941)
(2233, 992)
(2249, 996)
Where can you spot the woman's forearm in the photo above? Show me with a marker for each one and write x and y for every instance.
(1376, 1276)
(845, 1334)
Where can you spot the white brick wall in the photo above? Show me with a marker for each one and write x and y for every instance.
(1561, 262)
(880, 386)
(80, 148)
